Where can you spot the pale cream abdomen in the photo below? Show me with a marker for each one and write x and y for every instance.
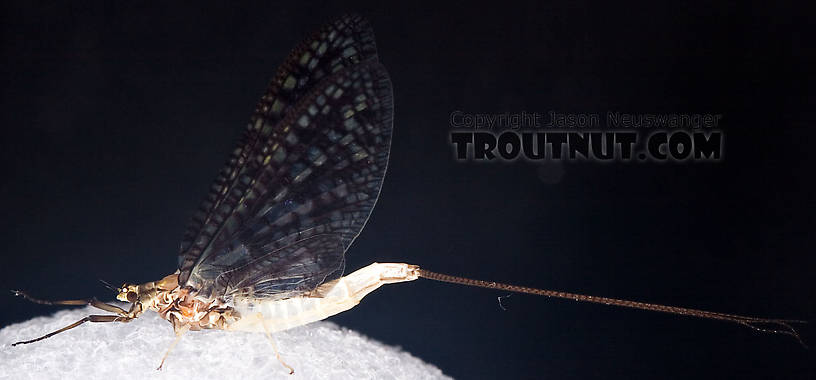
(330, 299)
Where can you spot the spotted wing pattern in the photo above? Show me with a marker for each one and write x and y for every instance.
(313, 184)
(343, 43)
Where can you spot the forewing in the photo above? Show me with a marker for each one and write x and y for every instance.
(343, 43)
(319, 174)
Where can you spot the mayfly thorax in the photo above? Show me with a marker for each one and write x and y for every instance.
(265, 251)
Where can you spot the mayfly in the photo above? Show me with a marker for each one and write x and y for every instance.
(265, 251)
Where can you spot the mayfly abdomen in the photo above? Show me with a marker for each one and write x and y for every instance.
(329, 299)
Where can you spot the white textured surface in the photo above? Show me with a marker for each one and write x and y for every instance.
(133, 350)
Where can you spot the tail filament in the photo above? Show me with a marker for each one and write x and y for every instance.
(766, 325)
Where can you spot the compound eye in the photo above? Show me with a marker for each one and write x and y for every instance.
(132, 297)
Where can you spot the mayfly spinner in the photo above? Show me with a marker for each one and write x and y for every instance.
(265, 251)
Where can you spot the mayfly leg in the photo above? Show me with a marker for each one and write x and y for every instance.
(179, 332)
(260, 318)
(90, 318)
(92, 302)
(122, 315)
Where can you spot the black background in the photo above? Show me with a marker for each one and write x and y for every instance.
(115, 118)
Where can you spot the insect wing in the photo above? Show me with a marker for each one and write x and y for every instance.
(285, 272)
(342, 43)
(320, 175)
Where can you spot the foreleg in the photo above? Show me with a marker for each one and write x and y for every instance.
(92, 302)
(90, 318)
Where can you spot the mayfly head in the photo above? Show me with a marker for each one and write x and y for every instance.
(128, 293)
